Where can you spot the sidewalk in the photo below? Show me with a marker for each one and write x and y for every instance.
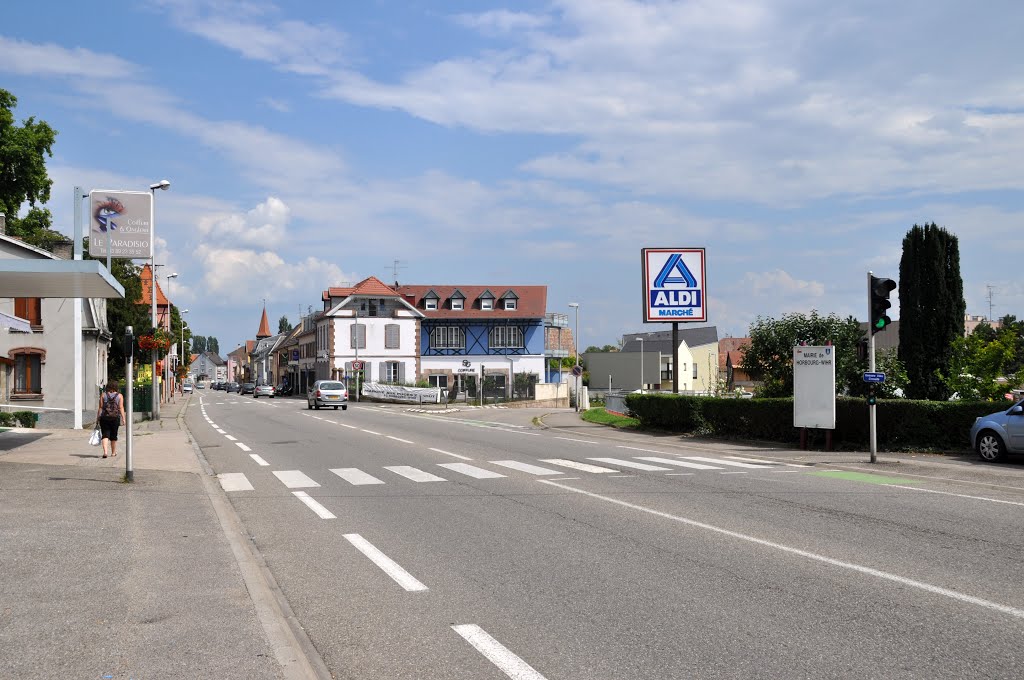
(106, 579)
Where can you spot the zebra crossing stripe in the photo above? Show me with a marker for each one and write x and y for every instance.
(719, 461)
(680, 463)
(414, 474)
(525, 467)
(630, 464)
(234, 481)
(294, 479)
(585, 467)
(355, 476)
(471, 470)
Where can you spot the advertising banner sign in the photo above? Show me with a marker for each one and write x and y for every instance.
(122, 220)
(674, 284)
(814, 387)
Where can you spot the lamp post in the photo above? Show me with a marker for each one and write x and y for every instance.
(168, 382)
(181, 350)
(641, 365)
(162, 185)
(576, 351)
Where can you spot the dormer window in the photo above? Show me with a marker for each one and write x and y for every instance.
(510, 303)
(430, 303)
(487, 303)
(457, 303)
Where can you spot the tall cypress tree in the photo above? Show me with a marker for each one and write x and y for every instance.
(932, 308)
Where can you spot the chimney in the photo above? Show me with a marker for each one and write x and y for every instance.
(3, 224)
(64, 250)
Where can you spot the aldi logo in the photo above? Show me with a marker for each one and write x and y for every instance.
(674, 284)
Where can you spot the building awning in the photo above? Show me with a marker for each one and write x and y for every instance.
(15, 323)
(45, 278)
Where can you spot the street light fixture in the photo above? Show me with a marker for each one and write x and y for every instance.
(576, 351)
(641, 365)
(163, 185)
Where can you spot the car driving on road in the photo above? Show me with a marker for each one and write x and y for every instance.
(247, 388)
(264, 391)
(327, 393)
(999, 433)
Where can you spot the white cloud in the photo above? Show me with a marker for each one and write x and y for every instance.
(240, 275)
(501, 21)
(20, 57)
(265, 225)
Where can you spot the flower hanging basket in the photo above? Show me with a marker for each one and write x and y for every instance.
(153, 342)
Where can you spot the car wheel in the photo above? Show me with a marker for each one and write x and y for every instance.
(335, 408)
(990, 446)
(344, 408)
(317, 406)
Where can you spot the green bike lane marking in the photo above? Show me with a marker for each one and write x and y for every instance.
(862, 477)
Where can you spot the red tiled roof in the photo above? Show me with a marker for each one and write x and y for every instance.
(532, 303)
(264, 331)
(146, 278)
(731, 347)
(370, 286)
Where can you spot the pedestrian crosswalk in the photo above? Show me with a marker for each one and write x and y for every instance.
(447, 472)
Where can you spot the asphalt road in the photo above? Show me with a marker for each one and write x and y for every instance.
(476, 545)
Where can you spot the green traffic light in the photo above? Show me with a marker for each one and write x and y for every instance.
(880, 324)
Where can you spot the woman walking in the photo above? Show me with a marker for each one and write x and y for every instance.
(110, 415)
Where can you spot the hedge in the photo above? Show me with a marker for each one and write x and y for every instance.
(903, 425)
(18, 419)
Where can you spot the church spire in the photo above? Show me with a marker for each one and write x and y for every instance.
(264, 331)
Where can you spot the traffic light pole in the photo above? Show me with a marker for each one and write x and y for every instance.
(872, 424)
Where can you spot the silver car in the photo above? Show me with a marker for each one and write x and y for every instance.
(327, 393)
(264, 391)
(999, 433)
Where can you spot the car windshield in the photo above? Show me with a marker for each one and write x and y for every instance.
(331, 386)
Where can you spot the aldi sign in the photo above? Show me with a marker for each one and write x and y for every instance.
(674, 284)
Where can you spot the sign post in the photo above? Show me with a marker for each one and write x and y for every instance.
(814, 387)
(129, 397)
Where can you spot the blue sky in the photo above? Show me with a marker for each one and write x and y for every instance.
(313, 144)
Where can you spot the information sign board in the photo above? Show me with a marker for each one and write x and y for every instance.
(814, 387)
(122, 220)
(874, 377)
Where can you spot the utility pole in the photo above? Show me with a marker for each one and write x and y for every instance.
(990, 289)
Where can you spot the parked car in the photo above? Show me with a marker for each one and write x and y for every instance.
(230, 387)
(186, 387)
(999, 433)
(264, 391)
(247, 388)
(283, 390)
(327, 393)
(217, 386)
(200, 386)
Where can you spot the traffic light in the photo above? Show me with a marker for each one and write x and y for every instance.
(879, 291)
(872, 394)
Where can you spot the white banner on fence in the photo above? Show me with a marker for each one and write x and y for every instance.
(416, 395)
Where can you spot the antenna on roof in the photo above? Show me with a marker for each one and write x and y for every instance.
(398, 264)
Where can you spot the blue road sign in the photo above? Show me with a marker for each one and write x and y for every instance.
(874, 377)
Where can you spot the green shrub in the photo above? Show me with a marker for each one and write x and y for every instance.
(6, 419)
(902, 424)
(25, 418)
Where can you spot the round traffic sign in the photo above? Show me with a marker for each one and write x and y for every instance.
(357, 365)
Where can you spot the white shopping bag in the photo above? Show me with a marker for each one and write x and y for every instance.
(95, 438)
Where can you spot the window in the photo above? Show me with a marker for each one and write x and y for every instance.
(28, 370)
(30, 309)
(438, 381)
(505, 337)
(357, 336)
(486, 303)
(694, 370)
(430, 303)
(447, 337)
(372, 311)
(391, 371)
(510, 303)
(391, 336)
(457, 303)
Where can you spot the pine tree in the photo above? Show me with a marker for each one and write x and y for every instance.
(932, 309)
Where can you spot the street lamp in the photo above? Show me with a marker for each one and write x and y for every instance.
(181, 357)
(641, 365)
(162, 185)
(576, 351)
(167, 364)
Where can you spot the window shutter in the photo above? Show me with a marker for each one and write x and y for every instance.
(391, 336)
(362, 336)
(401, 372)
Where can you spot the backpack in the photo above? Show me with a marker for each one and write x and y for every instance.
(111, 409)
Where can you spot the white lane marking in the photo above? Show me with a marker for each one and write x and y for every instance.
(629, 464)
(471, 470)
(577, 466)
(230, 437)
(735, 472)
(320, 510)
(870, 571)
(636, 448)
(219, 431)
(388, 565)
(679, 463)
(234, 481)
(958, 495)
(678, 474)
(259, 461)
(220, 403)
(371, 432)
(532, 434)
(719, 461)
(242, 446)
(294, 479)
(581, 441)
(768, 462)
(619, 476)
(414, 474)
(397, 439)
(566, 479)
(525, 467)
(449, 453)
(355, 476)
(510, 664)
(318, 418)
(351, 427)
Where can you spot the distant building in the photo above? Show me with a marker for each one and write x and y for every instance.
(697, 353)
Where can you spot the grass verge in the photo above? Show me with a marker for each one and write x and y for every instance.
(599, 415)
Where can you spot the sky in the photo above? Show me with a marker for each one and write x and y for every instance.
(314, 144)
